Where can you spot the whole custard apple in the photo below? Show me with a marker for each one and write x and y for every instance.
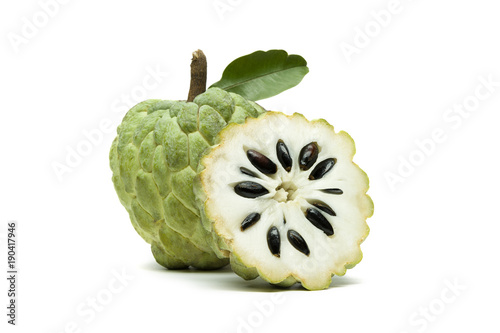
(154, 159)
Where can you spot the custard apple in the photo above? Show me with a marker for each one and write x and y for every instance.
(284, 200)
(154, 159)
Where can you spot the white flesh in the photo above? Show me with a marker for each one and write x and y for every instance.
(329, 255)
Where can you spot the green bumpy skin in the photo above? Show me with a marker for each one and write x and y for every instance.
(155, 158)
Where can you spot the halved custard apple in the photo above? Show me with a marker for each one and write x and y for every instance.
(284, 200)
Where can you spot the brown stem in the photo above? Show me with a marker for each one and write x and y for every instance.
(198, 75)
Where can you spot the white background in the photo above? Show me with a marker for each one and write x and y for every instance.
(436, 227)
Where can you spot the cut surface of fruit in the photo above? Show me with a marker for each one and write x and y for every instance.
(286, 199)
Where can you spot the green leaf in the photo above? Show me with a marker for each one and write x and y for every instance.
(262, 74)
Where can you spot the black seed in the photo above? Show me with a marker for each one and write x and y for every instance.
(324, 207)
(284, 155)
(250, 190)
(319, 221)
(308, 156)
(248, 172)
(249, 221)
(322, 168)
(333, 191)
(261, 162)
(298, 242)
(273, 241)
